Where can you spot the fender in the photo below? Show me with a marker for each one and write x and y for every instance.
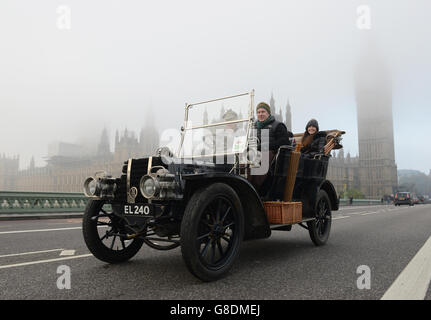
(332, 193)
(256, 225)
(306, 191)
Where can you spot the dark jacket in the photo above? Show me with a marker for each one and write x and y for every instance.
(317, 145)
(278, 135)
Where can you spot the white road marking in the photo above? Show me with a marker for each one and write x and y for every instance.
(39, 230)
(365, 214)
(26, 253)
(44, 230)
(414, 280)
(64, 223)
(360, 212)
(67, 253)
(343, 217)
(44, 261)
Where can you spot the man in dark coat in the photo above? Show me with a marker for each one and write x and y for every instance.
(278, 133)
(278, 136)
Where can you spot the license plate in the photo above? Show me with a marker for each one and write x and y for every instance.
(138, 210)
(402, 199)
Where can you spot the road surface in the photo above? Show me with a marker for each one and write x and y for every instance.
(373, 252)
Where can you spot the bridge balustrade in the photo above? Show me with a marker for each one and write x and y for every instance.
(41, 202)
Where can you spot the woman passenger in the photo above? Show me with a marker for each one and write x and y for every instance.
(313, 141)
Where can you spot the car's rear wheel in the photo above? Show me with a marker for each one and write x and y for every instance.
(211, 231)
(320, 228)
(105, 235)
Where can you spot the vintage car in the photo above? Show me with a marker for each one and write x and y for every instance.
(203, 199)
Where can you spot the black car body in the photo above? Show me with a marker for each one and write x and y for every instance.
(195, 200)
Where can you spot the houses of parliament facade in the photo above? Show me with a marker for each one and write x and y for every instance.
(66, 171)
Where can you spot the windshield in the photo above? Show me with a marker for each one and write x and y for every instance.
(217, 127)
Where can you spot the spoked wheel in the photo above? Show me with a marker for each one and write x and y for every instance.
(212, 231)
(105, 235)
(320, 228)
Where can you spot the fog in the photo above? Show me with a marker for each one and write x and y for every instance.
(111, 63)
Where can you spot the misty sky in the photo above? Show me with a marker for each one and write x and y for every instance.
(121, 60)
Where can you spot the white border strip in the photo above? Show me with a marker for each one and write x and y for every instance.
(413, 281)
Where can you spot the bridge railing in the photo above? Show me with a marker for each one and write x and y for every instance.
(360, 202)
(58, 202)
(38, 202)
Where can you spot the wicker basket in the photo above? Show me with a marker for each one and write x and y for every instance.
(280, 212)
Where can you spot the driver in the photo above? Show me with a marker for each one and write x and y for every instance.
(226, 138)
(231, 115)
(221, 139)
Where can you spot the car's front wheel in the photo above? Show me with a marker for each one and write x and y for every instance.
(105, 235)
(211, 231)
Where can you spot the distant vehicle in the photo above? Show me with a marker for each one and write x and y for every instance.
(403, 198)
(421, 199)
(415, 199)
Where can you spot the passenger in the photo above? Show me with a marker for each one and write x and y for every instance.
(278, 136)
(278, 133)
(313, 141)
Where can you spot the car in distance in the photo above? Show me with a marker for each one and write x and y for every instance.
(403, 198)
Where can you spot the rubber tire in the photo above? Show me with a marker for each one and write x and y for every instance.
(189, 225)
(96, 246)
(315, 237)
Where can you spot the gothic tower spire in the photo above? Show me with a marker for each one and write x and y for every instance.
(288, 120)
(272, 104)
(103, 147)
